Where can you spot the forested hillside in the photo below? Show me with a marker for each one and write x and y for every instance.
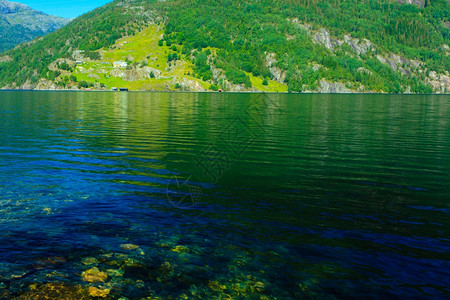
(302, 45)
(246, 31)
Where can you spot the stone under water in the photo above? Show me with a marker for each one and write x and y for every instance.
(94, 275)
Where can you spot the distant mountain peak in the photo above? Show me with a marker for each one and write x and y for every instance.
(20, 23)
(7, 7)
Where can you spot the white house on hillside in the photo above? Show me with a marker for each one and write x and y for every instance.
(119, 64)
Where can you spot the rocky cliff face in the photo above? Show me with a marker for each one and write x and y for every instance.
(20, 23)
(418, 3)
(363, 47)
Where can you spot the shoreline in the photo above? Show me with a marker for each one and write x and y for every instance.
(224, 92)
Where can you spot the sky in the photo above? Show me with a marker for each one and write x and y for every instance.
(63, 8)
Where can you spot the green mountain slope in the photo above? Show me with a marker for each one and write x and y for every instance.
(251, 45)
(19, 23)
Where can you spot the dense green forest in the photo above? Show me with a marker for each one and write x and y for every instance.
(242, 34)
(13, 35)
(246, 30)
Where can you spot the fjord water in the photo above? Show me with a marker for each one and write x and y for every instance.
(197, 195)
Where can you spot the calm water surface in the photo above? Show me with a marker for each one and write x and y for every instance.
(224, 196)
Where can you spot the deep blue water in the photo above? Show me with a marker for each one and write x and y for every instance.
(239, 196)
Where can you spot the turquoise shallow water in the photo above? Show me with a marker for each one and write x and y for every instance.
(225, 196)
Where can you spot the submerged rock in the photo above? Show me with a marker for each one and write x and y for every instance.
(44, 263)
(180, 249)
(56, 290)
(98, 292)
(11, 272)
(131, 262)
(129, 246)
(115, 272)
(94, 275)
(89, 261)
(216, 286)
(258, 287)
(166, 269)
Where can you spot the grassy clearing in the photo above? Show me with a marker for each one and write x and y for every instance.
(141, 50)
(273, 86)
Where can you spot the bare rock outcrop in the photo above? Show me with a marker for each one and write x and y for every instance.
(188, 84)
(332, 87)
(78, 55)
(277, 73)
(45, 84)
(5, 58)
(418, 3)
(364, 71)
(27, 85)
(323, 37)
(54, 65)
(399, 63)
(439, 82)
(135, 74)
(359, 47)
